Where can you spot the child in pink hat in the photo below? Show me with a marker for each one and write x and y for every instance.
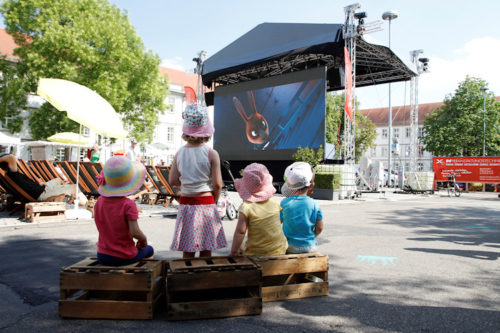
(116, 215)
(196, 169)
(259, 214)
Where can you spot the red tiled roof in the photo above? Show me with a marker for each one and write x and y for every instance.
(7, 45)
(401, 114)
(179, 77)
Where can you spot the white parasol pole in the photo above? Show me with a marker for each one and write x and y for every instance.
(76, 213)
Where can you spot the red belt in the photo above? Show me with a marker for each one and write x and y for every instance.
(205, 200)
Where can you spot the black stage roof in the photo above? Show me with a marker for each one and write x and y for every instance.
(272, 49)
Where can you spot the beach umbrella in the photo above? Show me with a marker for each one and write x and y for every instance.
(69, 137)
(86, 107)
(82, 105)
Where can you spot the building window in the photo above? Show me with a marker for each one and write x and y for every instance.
(170, 134)
(60, 154)
(420, 132)
(396, 132)
(384, 133)
(171, 103)
(373, 152)
(407, 134)
(384, 151)
(420, 166)
(85, 131)
(420, 151)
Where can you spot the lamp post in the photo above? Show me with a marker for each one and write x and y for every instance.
(389, 16)
(484, 89)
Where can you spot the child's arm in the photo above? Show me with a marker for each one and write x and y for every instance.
(216, 174)
(136, 232)
(318, 228)
(173, 176)
(239, 234)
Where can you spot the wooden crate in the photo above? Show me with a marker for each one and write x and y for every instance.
(45, 212)
(293, 276)
(90, 290)
(213, 287)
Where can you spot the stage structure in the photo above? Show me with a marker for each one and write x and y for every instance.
(421, 65)
(271, 50)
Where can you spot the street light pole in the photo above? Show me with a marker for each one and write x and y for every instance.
(389, 16)
(483, 89)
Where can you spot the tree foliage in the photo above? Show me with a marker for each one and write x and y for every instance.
(311, 156)
(365, 129)
(456, 128)
(92, 43)
(12, 94)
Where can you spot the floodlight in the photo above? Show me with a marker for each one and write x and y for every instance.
(390, 15)
(360, 15)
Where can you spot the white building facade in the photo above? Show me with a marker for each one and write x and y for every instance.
(400, 146)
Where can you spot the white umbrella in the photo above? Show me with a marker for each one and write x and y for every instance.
(8, 140)
(86, 107)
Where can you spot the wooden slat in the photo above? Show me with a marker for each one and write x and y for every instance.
(213, 279)
(46, 206)
(293, 291)
(214, 309)
(293, 265)
(105, 281)
(96, 309)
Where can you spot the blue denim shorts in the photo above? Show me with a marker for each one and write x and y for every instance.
(108, 260)
(292, 249)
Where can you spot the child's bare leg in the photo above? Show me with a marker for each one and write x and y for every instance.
(205, 254)
(188, 254)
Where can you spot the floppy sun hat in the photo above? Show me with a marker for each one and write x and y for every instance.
(121, 177)
(196, 122)
(297, 176)
(256, 184)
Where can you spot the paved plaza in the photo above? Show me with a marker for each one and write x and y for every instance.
(398, 263)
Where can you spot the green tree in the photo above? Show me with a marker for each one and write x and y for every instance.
(309, 155)
(12, 95)
(456, 128)
(92, 43)
(365, 130)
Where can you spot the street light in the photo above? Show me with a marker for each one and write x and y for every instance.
(484, 89)
(389, 16)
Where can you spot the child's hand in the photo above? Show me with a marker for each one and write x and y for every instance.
(142, 243)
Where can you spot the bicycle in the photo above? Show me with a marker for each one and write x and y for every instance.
(452, 185)
(225, 205)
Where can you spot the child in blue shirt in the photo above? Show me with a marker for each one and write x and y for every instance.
(301, 215)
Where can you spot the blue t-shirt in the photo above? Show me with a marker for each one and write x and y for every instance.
(299, 214)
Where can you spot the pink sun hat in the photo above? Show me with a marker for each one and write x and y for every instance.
(120, 177)
(256, 184)
(196, 122)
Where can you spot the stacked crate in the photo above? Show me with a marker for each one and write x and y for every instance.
(293, 276)
(213, 287)
(90, 290)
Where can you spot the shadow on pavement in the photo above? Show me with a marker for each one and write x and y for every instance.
(31, 266)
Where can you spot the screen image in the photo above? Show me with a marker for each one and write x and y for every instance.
(269, 119)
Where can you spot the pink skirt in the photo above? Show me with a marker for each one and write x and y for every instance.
(198, 226)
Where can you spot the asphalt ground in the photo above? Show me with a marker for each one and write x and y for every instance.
(398, 263)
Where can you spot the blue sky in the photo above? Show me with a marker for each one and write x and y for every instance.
(459, 37)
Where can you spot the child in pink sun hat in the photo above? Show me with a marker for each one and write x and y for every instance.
(259, 215)
(116, 215)
(196, 169)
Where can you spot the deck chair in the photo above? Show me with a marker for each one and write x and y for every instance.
(51, 170)
(164, 172)
(16, 191)
(164, 191)
(40, 170)
(90, 182)
(25, 169)
(71, 175)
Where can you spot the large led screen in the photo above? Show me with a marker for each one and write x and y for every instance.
(268, 119)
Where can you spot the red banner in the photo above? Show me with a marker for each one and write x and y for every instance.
(348, 84)
(467, 169)
(190, 95)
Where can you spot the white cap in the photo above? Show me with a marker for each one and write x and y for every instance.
(297, 176)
